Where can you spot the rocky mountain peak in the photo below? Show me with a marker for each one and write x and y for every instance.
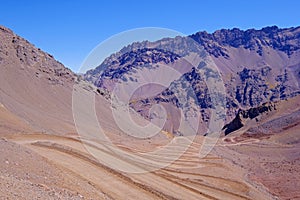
(18, 51)
(6, 30)
(285, 40)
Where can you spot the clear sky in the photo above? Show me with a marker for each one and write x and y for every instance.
(70, 29)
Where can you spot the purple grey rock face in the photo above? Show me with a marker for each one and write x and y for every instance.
(257, 66)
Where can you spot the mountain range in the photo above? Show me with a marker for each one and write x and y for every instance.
(256, 67)
(248, 79)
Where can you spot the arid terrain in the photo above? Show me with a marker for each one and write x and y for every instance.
(43, 157)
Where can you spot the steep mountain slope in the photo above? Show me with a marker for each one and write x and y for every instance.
(256, 66)
(266, 60)
(36, 99)
(268, 146)
(34, 86)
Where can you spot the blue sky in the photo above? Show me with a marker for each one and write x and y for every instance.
(69, 30)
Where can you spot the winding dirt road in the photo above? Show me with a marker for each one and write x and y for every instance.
(187, 178)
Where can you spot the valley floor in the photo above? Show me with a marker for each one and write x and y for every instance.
(62, 168)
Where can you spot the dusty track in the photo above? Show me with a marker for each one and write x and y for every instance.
(170, 183)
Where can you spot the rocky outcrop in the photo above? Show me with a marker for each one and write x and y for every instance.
(142, 54)
(242, 115)
(286, 40)
(13, 47)
(130, 61)
(260, 85)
